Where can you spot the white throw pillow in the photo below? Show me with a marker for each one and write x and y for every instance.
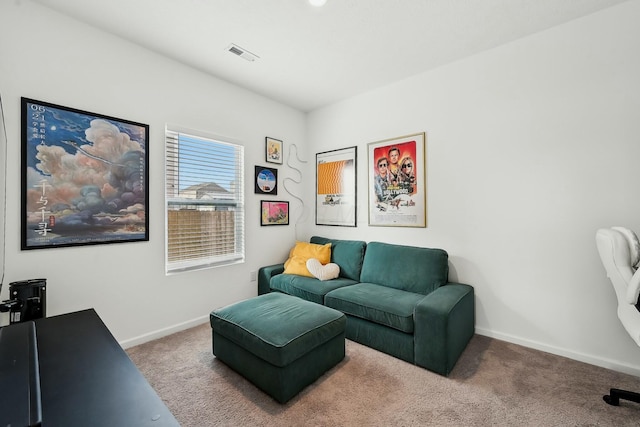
(323, 272)
(634, 244)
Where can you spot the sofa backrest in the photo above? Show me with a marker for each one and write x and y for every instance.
(348, 254)
(413, 269)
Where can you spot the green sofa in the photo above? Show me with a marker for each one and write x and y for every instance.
(397, 299)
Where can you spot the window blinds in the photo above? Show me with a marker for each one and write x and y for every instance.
(204, 201)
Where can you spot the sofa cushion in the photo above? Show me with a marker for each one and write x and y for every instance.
(380, 304)
(308, 288)
(348, 254)
(413, 269)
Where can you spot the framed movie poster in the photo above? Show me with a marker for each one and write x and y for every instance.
(85, 178)
(274, 212)
(273, 150)
(266, 180)
(336, 187)
(397, 182)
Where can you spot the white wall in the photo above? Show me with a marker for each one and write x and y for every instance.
(48, 57)
(531, 148)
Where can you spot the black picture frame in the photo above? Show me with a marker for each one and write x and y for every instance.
(266, 180)
(274, 149)
(274, 212)
(85, 177)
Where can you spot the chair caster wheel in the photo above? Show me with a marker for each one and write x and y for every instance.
(611, 400)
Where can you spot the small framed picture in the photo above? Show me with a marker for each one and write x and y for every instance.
(274, 212)
(273, 150)
(266, 180)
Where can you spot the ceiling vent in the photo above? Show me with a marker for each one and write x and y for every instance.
(242, 53)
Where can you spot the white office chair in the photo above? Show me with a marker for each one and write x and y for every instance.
(619, 250)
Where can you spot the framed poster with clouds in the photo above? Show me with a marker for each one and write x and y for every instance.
(85, 178)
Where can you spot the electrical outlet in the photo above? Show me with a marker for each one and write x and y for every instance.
(254, 276)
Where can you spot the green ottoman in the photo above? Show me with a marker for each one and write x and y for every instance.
(279, 342)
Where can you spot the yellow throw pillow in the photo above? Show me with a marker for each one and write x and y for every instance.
(301, 252)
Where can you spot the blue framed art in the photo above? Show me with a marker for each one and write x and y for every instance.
(84, 178)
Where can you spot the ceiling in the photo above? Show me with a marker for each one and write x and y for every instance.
(310, 57)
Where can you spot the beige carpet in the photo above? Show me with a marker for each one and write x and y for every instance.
(493, 384)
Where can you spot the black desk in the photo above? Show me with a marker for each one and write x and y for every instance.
(87, 379)
(19, 378)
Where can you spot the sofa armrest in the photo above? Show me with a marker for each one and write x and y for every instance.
(444, 322)
(264, 277)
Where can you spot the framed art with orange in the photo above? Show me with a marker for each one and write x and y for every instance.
(336, 188)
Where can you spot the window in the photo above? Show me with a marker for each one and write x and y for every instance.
(204, 195)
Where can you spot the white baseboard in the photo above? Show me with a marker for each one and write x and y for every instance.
(164, 332)
(581, 357)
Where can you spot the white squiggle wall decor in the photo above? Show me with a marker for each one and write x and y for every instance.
(285, 180)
